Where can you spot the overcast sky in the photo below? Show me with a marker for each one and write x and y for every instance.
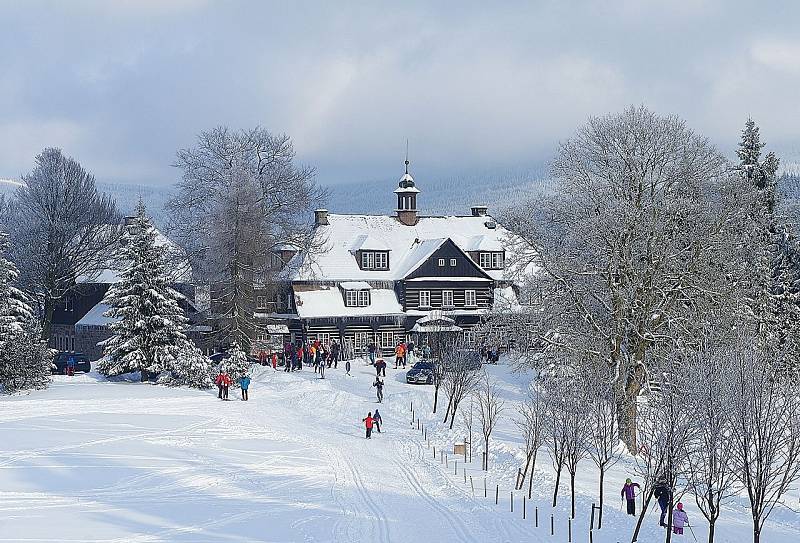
(473, 86)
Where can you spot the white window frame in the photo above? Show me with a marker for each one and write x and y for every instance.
(381, 260)
(360, 340)
(363, 298)
(441, 262)
(447, 294)
(470, 298)
(453, 262)
(425, 298)
(262, 336)
(497, 261)
(351, 298)
(387, 340)
(485, 260)
(368, 260)
(262, 302)
(324, 337)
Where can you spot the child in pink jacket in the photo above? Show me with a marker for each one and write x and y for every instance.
(679, 520)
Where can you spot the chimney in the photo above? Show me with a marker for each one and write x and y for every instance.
(479, 211)
(320, 217)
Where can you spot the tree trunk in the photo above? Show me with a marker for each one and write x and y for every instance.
(627, 414)
(47, 318)
(572, 491)
(711, 525)
(530, 480)
(756, 531)
(521, 480)
(558, 481)
(641, 517)
(600, 516)
(453, 415)
(435, 397)
(668, 538)
(447, 412)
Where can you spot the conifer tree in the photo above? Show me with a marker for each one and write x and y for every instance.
(238, 364)
(148, 335)
(776, 278)
(24, 359)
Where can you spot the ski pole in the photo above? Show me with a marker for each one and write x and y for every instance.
(690, 529)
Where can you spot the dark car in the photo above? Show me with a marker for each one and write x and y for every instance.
(420, 373)
(62, 359)
(216, 358)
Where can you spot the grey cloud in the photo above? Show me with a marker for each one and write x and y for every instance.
(123, 85)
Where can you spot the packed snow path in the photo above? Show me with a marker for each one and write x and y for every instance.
(90, 460)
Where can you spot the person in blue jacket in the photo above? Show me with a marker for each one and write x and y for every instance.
(244, 382)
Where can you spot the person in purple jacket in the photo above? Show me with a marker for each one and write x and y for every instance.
(629, 494)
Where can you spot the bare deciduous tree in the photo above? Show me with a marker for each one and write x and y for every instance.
(63, 229)
(460, 378)
(664, 430)
(490, 405)
(711, 463)
(631, 250)
(604, 448)
(241, 197)
(532, 425)
(766, 430)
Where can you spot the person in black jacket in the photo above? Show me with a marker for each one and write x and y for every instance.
(379, 385)
(663, 494)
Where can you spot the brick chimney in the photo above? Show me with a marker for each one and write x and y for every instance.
(320, 217)
(479, 210)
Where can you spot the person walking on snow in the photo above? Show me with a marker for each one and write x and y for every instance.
(377, 420)
(223, 381)
(244, 383)
(368, 422)
(275, 361)
(663, 494)
(679, 520)
(379, 385)
(347, 367)
(629, 493)
(322, 371)
(372, 348)
(71, 366)
(380, 367)
(399, 351)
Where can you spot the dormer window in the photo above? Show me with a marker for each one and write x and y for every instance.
(374, 260)
(491, 260)
(356, 298)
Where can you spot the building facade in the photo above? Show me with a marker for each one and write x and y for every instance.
(377, 275)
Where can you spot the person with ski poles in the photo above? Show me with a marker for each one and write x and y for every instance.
(368, 423)
(663, 494)
(679, 520)
(378, 384)
(244, 383)
(377, 420)
(628, 493)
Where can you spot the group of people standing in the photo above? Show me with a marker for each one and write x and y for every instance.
(317, 353)
(663, 495)
(224, 382)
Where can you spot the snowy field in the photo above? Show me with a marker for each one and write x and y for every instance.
(92, 460)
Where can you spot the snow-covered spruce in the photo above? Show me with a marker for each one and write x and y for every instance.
(148, 336)
(24, 359)
(238, 364)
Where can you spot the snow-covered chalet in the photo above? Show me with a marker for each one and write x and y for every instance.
(377, 275)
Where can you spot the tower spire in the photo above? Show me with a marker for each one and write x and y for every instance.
(406, 155)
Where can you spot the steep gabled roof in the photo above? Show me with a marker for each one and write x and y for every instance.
(409, 246)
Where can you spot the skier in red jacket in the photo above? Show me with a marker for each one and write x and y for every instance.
(223, 381)
(369, 422)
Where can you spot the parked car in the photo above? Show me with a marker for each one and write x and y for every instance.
(420, 373)
(61, 359)
(216, 358)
